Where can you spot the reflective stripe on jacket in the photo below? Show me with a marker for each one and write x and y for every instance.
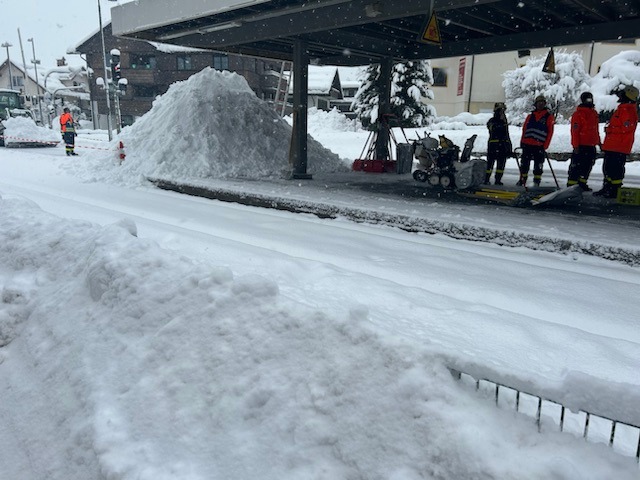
(537, 129)
(620, 131)
(584, 127)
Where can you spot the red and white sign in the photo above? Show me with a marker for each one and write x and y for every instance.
(461, 68)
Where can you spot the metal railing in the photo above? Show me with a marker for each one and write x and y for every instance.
(611, 426)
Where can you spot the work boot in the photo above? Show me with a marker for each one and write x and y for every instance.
(613, 193)
(606, 192)
(536, 183)
(499, 179)
(487, 179)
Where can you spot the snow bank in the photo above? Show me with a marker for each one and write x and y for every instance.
(321, 121)
(161, 368)
(211, 126)
(465, 118)
(24, 130)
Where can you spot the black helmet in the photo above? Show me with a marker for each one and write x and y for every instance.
(66, 110)
(499, 106)
(586, 97)
(540, 98)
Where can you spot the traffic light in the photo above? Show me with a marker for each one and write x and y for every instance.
(115, 71)
(115, 65)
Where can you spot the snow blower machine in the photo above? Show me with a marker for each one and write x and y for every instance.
(440, 163)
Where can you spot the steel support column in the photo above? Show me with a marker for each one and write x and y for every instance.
(384, 108)
(298, 151)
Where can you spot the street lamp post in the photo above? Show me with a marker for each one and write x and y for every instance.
(7, 45)
(35, 67)
(104, 64)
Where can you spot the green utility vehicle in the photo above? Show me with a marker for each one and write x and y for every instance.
(11, 105)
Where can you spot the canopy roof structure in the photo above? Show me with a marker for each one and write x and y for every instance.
(360, 32)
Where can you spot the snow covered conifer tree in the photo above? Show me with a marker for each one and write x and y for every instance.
(561, 89)
(365, 103)
(410, 83)
(409, 92)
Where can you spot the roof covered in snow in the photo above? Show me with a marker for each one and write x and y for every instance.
(320, 78)
(52, 79)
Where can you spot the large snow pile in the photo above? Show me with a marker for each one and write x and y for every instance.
(121, 360)
(213, 126)
(24, 130)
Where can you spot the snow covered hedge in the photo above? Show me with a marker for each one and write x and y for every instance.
(561, 89)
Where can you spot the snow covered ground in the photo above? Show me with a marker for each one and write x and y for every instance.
(150, 335)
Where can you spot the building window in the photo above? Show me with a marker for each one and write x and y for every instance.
(349, 92)
(146, 91)
(184, 62)
(439, 77)
(142, 62)
(127, 120)
(18, 81)
(221, 62)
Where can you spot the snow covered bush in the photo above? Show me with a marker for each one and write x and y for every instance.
(561, 89)
(410, 83)
(617, 72)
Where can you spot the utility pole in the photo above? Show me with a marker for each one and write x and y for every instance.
(24, 62)
(7, 45)
(106, 78)
(36, 62)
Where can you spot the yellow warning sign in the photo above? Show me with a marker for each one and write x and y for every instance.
(431, 32)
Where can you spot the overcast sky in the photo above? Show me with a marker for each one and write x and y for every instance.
(54, 26)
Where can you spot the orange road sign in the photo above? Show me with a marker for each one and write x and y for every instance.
(431, 32)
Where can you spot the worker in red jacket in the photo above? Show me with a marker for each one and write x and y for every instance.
(584, 139)
(537, 131)
(619, 135)
(67, 127)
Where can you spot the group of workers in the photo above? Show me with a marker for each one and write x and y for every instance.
(537, 131)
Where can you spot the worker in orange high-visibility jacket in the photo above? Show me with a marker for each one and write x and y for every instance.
(618, 140)
(585, 137)
(67, 127)
(537, 131)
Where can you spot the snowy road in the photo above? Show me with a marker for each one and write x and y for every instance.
(507, 310)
